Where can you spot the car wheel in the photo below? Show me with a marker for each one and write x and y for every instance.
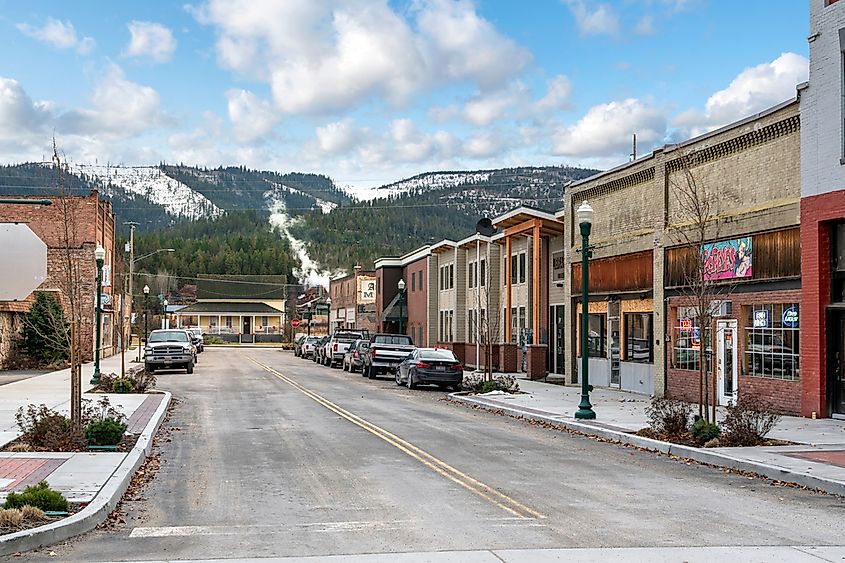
(457, 387)
(149, 368)
(371, 372)
(190, 368)
(364, 370)
(398, 378)
(411, 384)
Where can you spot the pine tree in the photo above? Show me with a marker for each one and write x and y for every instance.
(46, 333)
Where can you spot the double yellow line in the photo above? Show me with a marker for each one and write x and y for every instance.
(506, 503)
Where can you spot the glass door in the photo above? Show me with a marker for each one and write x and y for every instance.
(726, 361)
(614, 310)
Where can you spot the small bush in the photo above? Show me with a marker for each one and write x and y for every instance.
(108, 432)
(748, 421)
(123, 385)
(704, 431)
(101, 410)
(40, 496)
(10, 518)
(32, 513)
(19, 447)
(212, 339)
(507, 383)
(488, 386)
(140, 382)
(668, 416)
(46, 429)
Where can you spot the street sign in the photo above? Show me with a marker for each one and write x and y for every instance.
(294, 323)
(24, 258)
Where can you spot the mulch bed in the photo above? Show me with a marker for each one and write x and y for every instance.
(125, 446)
(73, 508)
(687, 440)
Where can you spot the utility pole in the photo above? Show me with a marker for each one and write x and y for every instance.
(634, 146)
(132, 225)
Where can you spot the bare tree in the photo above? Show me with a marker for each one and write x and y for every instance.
(486, 323)
(694, 225)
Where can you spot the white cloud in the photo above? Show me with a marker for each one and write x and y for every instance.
(336, 54)
(19, 115)
(600, 19)
(59, 34)
(645, 26)
(151, 40)
(558, 91)
(606, 129)
(752, 91)
(338, 137)
(484, 109)
(121, 109)
(251, 117)
(484, 144)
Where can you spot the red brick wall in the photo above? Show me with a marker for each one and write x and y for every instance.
(684, 384)
(417, 297)
(817, 214)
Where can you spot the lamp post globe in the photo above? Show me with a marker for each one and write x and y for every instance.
(584, 214)
(401, 286)
(100, 258)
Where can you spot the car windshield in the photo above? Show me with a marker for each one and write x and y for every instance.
(392, 339)
(311, 340)
(196, 331)
(347, 336)
(446, 355)
(169, 336)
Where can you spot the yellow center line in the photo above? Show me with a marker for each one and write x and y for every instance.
(440, 467)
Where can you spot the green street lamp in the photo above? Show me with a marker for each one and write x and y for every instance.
(585, 221)
(401, 286)
(100, 257)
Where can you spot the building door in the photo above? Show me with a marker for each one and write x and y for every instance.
(614, 310)
(726, 361)
(837, 364)
(247, 325)
(556, 344)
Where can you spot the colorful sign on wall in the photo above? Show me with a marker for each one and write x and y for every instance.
(728, 259)
(558, 266)
(366, 290)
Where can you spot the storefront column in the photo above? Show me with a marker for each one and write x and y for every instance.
(658, 287)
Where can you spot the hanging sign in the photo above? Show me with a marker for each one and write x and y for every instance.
(790, 317)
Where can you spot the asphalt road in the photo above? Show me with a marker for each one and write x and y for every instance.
(274, 456)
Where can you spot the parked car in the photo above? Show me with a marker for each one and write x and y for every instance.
(337, 345)
(385, 353)
(308, 346)
(354, 355)
(430, 366)
(169, 349)
(297, 345)
(320, 349)
(196, 338)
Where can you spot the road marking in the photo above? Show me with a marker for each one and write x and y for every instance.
(439, 466)
(316, 527)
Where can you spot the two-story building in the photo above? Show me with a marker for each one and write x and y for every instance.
(353, 301)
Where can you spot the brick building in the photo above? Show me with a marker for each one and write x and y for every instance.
(823, 215)
(414, 309)
(353, 301)
(90, 222)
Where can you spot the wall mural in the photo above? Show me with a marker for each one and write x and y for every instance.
(728, 259)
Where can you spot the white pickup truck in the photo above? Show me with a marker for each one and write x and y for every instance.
(385, 353)
(338, 344)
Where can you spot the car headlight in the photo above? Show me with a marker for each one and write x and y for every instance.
(186, 348)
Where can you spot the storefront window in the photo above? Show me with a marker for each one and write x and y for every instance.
(597, 340)
(771, 340)
(687, 341)
(639, 337)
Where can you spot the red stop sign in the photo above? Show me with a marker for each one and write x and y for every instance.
(294, 323)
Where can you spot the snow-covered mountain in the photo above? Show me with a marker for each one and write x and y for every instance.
(420, 182)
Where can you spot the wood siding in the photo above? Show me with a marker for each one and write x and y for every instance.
(630, 272)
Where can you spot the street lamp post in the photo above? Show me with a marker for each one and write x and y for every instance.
(100, 257)
(401, 286)
(585, 222)
(165, 321)
(328, 315)
(146, 294)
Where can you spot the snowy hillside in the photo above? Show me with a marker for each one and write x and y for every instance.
(154, 185)
(420, 182)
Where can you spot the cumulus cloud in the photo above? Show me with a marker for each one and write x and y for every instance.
(606, 129)
(120, 108)
(59, 34)
(558, 91)
(753, 90)
(151, 40)
(645, 26)
(591, 19)
(332, 55)
(252, 118)
(19, 115)
(338, 137)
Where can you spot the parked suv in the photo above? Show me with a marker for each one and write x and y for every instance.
(169, 349)
(319, 349)
(354, 355)
(307, 347)
(337, 345)
(196, 337)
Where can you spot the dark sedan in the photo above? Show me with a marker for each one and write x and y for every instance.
(352, 360)
(430, 366)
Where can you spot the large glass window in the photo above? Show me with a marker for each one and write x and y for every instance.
(597, 339)
(514, 273)
(687, 340)
(523, 324)
(482, 277)
(471, 275)
(639, 337)
(771, 340)
(522, 267)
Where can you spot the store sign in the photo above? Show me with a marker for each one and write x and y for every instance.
(727, 259)
(366, 290)
(558, 266)
(106, 275)
(761, 319)
(686, 324)
(790, 317)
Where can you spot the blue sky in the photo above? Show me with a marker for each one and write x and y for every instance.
(370, 91)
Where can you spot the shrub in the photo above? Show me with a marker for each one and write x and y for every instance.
(46, 429)
(472, 382)
(108, 432)
(139, 382)
(123, 385)
(101, 410)
(19, 447)
(487, 386)
(32, 513)
(668, 416)
(748, 421)
(507, 383)
(704, 431)
(212, 339)
(40, 496)
(10, 518)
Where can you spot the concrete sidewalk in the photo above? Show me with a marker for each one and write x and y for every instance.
(817, 459)
(95, 479)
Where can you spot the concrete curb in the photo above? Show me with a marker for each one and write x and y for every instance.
(686, 452)
(98, 509)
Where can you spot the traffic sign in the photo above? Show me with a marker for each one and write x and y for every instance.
(294, 323)
(24, 257)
